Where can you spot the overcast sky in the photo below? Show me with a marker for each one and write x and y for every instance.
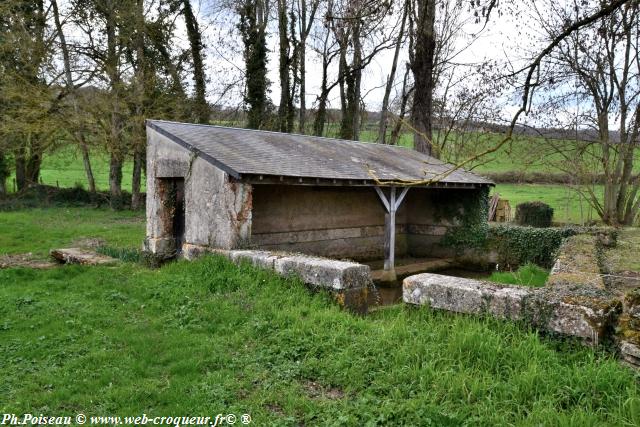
(225, 63)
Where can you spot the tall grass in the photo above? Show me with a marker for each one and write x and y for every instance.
(527, 275)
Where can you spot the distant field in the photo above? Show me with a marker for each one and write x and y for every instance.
(567, 204)
(64, 168)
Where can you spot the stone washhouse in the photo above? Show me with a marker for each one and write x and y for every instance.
(212, 187)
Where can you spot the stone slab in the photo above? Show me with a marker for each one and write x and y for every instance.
(465, 295)
(80, 256)
(326, 273)
(584, 316)
(630, 353)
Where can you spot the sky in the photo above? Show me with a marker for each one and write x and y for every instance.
(475, 43)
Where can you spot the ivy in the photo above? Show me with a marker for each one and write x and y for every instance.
(471, 214)
(516, 245)
(519, 245)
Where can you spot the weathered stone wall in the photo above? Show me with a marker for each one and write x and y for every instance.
(337, 222)
(583, 314)
(348, 222)
(217, 211)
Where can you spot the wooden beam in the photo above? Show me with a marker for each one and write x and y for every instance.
(401, 198)
(391, 204)
(383, 198)
(262, 179)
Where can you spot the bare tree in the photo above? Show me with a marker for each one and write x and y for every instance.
(202, 111)
(592, 82)
(382, 128)
(79, 133)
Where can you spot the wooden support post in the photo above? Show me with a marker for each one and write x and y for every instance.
(391, 205)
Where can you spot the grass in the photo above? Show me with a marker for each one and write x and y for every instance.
(38, 230)
(624, 256)
(527, 275)
(208, 337)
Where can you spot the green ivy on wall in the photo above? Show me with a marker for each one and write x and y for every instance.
(519, 245)
(470, 213)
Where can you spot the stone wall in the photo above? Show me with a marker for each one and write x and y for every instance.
(575, 301)
(217, 211)
(338, 222)
(348, 222)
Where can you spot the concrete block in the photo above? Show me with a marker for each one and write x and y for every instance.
(261, 259)
(586, 316)
(465, 295)
(325, 273)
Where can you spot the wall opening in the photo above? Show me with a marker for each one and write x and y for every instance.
(171, 193)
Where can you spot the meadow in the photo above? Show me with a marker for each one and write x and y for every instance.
(207, 337)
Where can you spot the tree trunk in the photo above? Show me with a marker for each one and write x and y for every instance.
(395, 133)
(422, 64)
(303, 87)
(252, 26)
(139, 140)
(382, 128)
(32, 171)
(321, 114)
(195, 42)
(115, 180)
(283, 67)
(136, 178)
(21, 169)
(4, 174)
(86, 161)
(116, 148)
(79, 135)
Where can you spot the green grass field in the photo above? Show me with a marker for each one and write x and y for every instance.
(38, 230)
(206, 337)
(568, 206)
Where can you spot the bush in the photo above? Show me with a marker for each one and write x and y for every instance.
(534, 214)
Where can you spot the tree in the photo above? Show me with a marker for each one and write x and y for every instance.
(421, 59)
(29, 87)
(594, 76)
(252, 26)
(78, 133)
(201, 107)
(382, 128)
(286, 67)
(356, 25)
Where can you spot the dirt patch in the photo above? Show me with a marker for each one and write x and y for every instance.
(317, 391)
(275, 409)
(24, 261)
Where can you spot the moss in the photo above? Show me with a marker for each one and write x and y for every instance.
(628, 329)
(632, 298)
